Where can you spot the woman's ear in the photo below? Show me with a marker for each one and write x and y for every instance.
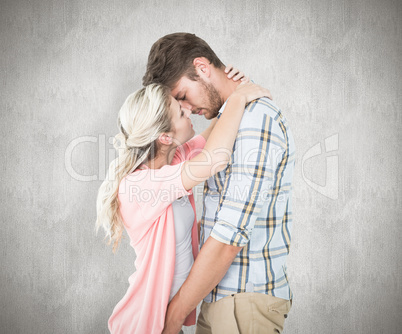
(202, 67)
(165, 139)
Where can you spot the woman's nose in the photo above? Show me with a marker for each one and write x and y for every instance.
(186, 112)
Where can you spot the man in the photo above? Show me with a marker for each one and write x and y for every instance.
(245, 228)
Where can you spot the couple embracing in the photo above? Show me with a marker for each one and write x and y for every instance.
(235, 259)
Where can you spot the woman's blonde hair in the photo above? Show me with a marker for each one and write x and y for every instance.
(142, 118)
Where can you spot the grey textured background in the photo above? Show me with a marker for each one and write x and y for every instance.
(334, 67)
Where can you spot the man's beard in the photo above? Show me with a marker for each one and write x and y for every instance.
(214, 99)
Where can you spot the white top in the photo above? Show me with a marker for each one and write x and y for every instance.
(183, 223)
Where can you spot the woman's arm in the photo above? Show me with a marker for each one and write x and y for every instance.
(218, 148)
(209, 129)
(234, 74)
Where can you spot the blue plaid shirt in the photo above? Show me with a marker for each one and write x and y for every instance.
(249, 204)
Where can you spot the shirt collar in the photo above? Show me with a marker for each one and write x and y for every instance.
(220, 111)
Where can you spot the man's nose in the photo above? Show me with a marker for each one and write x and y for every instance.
(186, 105)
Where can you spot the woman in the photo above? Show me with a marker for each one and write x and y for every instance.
(148, 191)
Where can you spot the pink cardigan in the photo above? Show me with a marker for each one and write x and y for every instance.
(145, 204)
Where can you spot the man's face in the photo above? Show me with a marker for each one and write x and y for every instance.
(200, 97)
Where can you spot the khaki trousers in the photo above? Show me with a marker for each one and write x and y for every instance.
(243, 313)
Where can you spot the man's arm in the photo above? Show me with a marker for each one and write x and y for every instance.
(210, 266)
(258, 148)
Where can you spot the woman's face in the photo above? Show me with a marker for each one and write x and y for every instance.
(182, 128)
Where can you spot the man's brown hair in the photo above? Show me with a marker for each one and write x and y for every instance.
(171, 57)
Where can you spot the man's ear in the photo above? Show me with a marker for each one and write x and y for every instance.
(165, 139)
(202, 67)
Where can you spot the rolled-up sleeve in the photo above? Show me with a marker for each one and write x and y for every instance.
(249, 178)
